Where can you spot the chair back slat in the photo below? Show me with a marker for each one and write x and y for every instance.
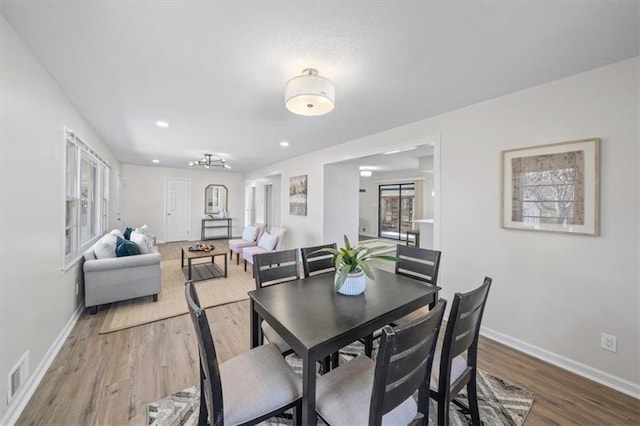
(317, 263)
(463, 328)
(465, 331)
(276, 267)
(210, 382)
(404, 363)
(417, 263)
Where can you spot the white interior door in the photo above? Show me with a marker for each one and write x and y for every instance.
(177, 214)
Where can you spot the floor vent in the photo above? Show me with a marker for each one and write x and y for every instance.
(17, 376)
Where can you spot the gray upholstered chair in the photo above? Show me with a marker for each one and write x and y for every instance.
(451, 371)
(245, 389)
(419, 264)
(362, 391)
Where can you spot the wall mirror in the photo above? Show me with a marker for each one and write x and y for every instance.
(215, 200)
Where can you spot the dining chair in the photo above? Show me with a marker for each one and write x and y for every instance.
(276, 268)
(451, 371)
(362, 391)
(320, 263)
(419, 264)
(258, 384)
(317, 263)
(249, 252)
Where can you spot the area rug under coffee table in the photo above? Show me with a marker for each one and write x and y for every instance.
(500, 403)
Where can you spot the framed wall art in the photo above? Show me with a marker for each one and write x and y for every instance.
(298, 195)
(552, 188)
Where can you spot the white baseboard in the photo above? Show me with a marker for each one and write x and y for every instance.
(604, 378)
(24, 395)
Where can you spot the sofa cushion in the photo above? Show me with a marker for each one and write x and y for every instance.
(249, 234)
(105, 248)
(267, 241)
(118, 233)
(144, 229)
(127, 232)
(145, 245)
(126, 248)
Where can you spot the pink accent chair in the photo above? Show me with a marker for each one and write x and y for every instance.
(236, 246)
(249, 252)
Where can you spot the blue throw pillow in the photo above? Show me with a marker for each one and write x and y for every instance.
(127, 233)
(126, 248)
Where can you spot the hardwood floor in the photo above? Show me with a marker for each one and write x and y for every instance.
(109, 379)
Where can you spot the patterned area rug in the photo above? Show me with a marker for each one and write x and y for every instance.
(500, 403)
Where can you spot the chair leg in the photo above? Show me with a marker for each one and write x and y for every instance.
(335, 360)
(297, 414)
(368, 345)
(203, 417)
(245, 265)
(230, 254)
(443, 411)
(423, 403)
(472, 394)
(325, 365)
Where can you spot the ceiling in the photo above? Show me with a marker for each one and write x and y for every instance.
(216, 71)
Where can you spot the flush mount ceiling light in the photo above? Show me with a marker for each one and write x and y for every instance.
(208, 161)
(365, 173)
(309, 94)
(162, 124)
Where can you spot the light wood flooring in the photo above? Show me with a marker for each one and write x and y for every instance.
(109, 379)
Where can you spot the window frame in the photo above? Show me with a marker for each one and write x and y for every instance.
(77, 151)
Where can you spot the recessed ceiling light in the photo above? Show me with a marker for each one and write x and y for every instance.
(162, 124)
(284, 143)
(155, 160)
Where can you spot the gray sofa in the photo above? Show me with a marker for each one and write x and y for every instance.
(120, 278)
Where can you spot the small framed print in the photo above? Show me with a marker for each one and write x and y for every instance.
(552, 188)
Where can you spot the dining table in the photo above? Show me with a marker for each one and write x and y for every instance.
(316, 321)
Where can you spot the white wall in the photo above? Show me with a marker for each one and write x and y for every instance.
(144, 195)
(37, 299)
(341, 203)
(552, 291)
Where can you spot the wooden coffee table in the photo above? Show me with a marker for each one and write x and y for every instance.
(203, 270)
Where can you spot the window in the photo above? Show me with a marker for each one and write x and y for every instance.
(86, 197)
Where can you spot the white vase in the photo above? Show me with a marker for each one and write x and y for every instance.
(354, 284)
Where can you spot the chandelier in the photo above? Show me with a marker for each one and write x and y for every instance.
(208, 161)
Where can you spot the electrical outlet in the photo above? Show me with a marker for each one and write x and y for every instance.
(77, 288)
(608, 342)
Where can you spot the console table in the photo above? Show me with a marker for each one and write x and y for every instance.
(218, 224)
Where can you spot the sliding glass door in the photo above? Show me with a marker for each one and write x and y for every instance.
(396, 204)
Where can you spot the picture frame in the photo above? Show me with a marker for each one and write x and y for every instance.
(298, 195)
(552, 188)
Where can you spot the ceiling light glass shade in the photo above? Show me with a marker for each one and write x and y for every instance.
(365, 173)
(309, 94)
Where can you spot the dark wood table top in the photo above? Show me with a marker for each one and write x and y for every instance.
(311, 316)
